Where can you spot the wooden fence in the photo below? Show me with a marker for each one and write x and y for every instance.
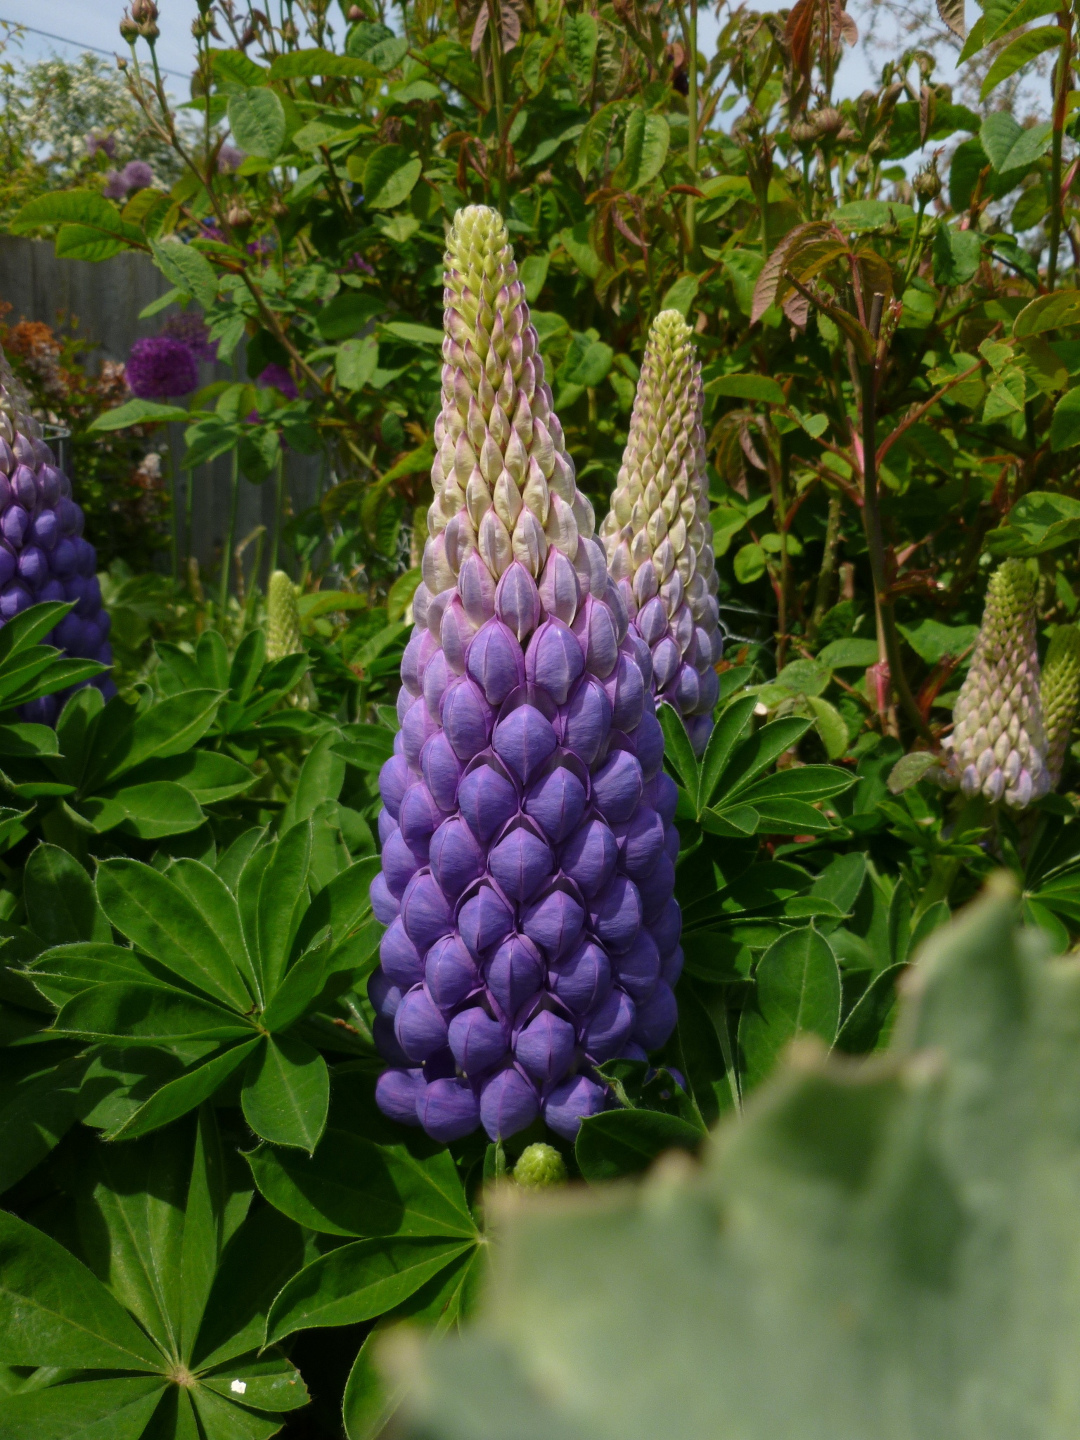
(106, 299)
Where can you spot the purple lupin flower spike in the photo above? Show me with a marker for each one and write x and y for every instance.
(525, 867)
(657, 532)
(43, 555)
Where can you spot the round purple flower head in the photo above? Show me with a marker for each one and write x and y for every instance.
(190, 328)
(525, 880)
(229, 159)
(138, 175)
(161, 367)
(101, 144)
(278, 378)
(43, 555)
(115, 186)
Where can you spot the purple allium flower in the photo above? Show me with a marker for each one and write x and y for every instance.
(43, 556)
(190, 329)
(115, 186)
(161, 367)
(229, 159)
(526, 869)
(101, 144)
(138, 175)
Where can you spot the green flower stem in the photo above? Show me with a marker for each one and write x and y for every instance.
(1061, 91)
(279, 505)
(230, 534)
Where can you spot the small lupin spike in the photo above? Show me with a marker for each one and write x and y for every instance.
(1060, 695)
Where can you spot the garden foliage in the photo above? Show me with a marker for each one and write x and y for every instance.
(208, 1218)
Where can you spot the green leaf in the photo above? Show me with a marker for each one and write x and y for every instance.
(747, 387)
(831, 726)
(321, 778)
(137, 412)
(356, 362)
(358, 1282)
(60, 902)
(89, 1410)
(932, 641)
(645, 148)
(169, 728)
(87, 208)
(155, 914)
(726, 734)
(1018, 53)
(681, 295)
(851, 654)
(351, 1186)
(758, 752)
(256, 1262)
(797, 993)
(148, 811)
(221, 1419)
(257, 121)
(180, 1096)
(580, 35)
(53, 1311)
(863, 1026)
(624, 1142)
(270, 1383)
(186, 268)
(956, 255)
(389, 176)
(282, 901)
(749, 564)
(1048, 312)
(593, 366)
(35, 1114)
(414, 334)
(1065, 422)
(578, 245)
(286, 1092)
(128, 1013)
(677, 748)
(532, 273)
(301, 64)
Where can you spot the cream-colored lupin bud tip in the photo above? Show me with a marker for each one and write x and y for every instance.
(1060, 695)
(282, 618)
(15, 402)
(998, 745)
(504, 485)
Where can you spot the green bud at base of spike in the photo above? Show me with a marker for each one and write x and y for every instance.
(540, 1167)
(1060, 695)
(283, 635)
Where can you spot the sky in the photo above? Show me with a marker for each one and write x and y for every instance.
(93, 24)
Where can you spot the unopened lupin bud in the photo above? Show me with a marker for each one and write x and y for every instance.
(528, 820)
(657, 533)
(540, 1167)
(1060, 695)
(998, 746)
(283, 635)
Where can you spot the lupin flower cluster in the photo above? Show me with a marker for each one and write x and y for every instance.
(998, 744)
(657, 532)
(1060, 696)
(43, 555)
(528, 845)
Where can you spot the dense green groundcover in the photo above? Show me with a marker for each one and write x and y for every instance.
(207, 1223)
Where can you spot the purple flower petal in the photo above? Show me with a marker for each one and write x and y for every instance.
(589, 857)
(437, 677)
(617, 786)
(476, 588)
(656, 1018)
(484, 919)
(560, 590)
(514, 973)
(517, 600)
(572, 1101)
(384, 995)
(442, 771)
(583, 978)
(554, 659)
(417, 727)
(626, 688)
(450, 972)
(419, 816)
(557, 800)
(615, 914)
(667, 928)
(455, 857)
(656, 889)
(495, 661)
(384, 905)
(400, 958)
(665, 663)
(478, 1040)
(524, 740)
(455, 635)
(396, 1094)
(586, 720)
(545, 1047)
(652, 621)
(649, 746)
(418, 1025)
(554, 921)
(448, 1109)
(610, 1027)
(638, 969)
(521, 861)
(508, 1103)
(425, 912)
(641, 842)
(487, 798)
(399, 864)
(466, 718)
(594, 625)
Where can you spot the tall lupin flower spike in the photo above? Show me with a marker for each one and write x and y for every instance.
(998, 746)
(657, 532)
(528, 845)
(43, 555)
(1060, 695)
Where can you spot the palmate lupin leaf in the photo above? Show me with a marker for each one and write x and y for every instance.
(528, 845)
(657, 533)
(878, 1249)
(998, 745)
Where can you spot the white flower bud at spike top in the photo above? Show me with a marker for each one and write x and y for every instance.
(657, 533)
(998, 747)
(527, 838)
